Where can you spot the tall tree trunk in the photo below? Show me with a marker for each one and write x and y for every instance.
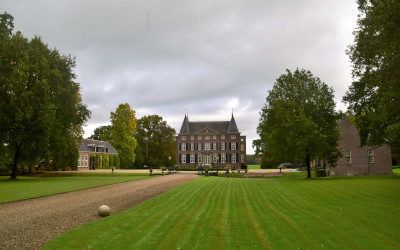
(308, 165)
(15, 163)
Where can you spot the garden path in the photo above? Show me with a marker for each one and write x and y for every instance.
(31, 223)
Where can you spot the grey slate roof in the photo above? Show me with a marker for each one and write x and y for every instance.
(219, 126)
(88, 144)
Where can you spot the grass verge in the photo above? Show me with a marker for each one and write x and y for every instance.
(244, 213)
(254, 166)
(54, 183)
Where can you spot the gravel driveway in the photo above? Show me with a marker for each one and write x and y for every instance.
(31, 223)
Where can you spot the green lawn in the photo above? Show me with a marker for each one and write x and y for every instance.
(30, 187)
(244, 213)
(254, 166)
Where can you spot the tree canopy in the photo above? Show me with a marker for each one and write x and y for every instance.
(41, 111)
(298, 122)
(156, 142)
(123, 129)
(374, 94)
(102, 133)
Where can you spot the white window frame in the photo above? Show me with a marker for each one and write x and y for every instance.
(199, 137)
(192, 137)
(223, 157)
(183, 158)
(241, 147)
(192, 146)
(183, 138)
(199, 146)
(199, 158)
(215, 156)
(233, 136)
(371, 158)
(207, 146)
(348, 156)
(222, 145)
(233, 157)
(192, 158)
(207, 137)
(183, 146)
(214, 137)
(222, 137)
(233, 145)
(214, 146)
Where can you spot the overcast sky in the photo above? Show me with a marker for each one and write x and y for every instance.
(208, 57)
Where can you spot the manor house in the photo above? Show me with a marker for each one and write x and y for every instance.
(216, 144)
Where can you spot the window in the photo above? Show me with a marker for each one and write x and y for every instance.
(348, 156)
(214, 146)
(192, 159)
(233, 145)
(241, 147)
(183, 146)
(233, 158)
(207, 160)
(207, 137)
(214, 137)
(183, 138)
(215, 158)
(233, 136)
(192, 146)
(200, 158)
(222, 137)
(242, 158)
(222, 145)
(199, 137)
(371, 156)
(192, 137)
(223, 157)
(207, 146)
(198, 146)
(183, 158)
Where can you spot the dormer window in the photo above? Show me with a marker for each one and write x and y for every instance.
(183, 138)
(207, 137)
(214, 137)
(233, 136)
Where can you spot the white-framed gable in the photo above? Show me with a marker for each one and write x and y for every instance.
(206, 130)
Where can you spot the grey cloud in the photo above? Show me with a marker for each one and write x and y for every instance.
(165, 56)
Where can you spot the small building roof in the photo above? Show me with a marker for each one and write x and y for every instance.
(87, 143)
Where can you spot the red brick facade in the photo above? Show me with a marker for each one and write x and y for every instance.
(358, 160)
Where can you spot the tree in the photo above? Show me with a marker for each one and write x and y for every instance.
(298, 122)
(375, 54)
(156, 142)
(41, 111)
(102, 133)
(123, 129)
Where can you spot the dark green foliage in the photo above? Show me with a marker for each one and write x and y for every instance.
(41, 112)
(105, 162)
(298, 122)
(375, 54)
(99, 161)
(156, 142)
(102, 133)
(111, 161)
(116, 161)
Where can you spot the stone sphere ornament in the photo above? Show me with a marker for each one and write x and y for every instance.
(104, 210)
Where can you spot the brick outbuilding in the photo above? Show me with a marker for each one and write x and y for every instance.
(357, 160)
